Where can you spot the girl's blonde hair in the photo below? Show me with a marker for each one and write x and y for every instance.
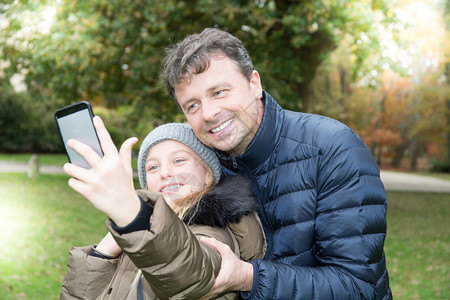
(191, 202)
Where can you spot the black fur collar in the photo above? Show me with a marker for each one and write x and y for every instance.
(232, 199)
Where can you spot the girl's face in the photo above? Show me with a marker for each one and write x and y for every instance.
(175, 170)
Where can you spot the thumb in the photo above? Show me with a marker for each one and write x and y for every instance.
(125, 152)
(219, 246)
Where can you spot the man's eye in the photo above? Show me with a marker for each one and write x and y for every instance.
(192, 107)
(218, 93)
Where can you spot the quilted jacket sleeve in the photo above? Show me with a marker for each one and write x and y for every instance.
(349, 232)
(86, 276)
(173, 261)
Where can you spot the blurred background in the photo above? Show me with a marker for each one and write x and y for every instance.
(380, 66)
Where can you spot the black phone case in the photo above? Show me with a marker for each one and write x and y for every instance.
(62, 112)
(65, 111)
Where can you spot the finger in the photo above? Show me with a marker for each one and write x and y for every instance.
(77, 172)
(85, 151)
(125, 153)
(106, 142)
(83, 189)
(78, 186)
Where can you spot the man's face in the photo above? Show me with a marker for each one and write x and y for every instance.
(223, 107)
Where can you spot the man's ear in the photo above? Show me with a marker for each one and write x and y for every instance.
(255, 84)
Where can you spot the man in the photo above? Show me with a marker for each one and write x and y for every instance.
(322, 203)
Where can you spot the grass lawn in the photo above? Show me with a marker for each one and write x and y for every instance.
(42, 217)
(418, 245)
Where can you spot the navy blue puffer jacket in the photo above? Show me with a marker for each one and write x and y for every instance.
(322, 205)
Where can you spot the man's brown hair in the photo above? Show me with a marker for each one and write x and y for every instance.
(193, 54)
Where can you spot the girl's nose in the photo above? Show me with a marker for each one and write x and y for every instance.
(166, 172)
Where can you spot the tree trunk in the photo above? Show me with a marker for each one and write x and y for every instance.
(399, 153)
(413, 155)
(447, 71)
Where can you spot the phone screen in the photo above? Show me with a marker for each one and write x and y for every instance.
(78, 125)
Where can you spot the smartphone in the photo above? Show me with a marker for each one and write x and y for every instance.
(75, 122)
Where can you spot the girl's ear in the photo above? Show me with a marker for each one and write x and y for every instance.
(209, 177)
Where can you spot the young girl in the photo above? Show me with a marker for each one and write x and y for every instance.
(158, 254)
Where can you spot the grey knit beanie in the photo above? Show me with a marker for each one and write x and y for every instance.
(182, 133)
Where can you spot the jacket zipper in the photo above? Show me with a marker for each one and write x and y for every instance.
(235, 165)
(263, 215)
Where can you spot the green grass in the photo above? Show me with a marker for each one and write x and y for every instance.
(42, 218)
(417, 246)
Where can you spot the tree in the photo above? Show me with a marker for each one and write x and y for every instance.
(110, 52)
(394, 98)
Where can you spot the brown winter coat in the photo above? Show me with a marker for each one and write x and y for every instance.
(174, 263)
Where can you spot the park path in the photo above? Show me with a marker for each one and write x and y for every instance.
(18, 167)
(399, 181)
(393, 181)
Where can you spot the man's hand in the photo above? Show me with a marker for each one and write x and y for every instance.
(108, 185)
(234, 274)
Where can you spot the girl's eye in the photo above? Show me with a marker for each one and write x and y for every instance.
(152, 168)
(178, 160)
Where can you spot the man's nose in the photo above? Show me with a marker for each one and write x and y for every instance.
(210, 110)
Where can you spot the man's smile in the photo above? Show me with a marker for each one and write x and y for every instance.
(223, 126)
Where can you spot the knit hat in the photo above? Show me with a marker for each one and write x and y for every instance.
(182, 133)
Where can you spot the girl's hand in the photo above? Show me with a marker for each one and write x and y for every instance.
(108, 185)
